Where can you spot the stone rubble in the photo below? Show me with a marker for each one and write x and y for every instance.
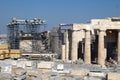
(48, 70)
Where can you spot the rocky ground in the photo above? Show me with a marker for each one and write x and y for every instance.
(23, 69)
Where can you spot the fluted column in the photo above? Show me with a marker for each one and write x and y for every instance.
(66, 45)
(101, 48)
(87, 54)
(118, 47)
(74, 46)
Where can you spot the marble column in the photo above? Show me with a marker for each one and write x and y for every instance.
(74, 46)
(101, 48)
(118, 54)
(63, 52)
(66, 45)
(87, 54)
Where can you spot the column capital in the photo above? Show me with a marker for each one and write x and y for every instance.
(102, 28)
(87, 27)
(102, 31)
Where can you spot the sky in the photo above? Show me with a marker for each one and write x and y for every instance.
(55, 12)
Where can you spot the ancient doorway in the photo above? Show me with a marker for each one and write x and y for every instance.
(111, 44)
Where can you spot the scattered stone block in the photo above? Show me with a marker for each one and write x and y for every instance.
(19, 74)
(79, 72)
(22, 77)
(29, 63)
(46, 71)
(21, 64)
(64, 72)
(113, 76)
(60, 67)
(45, 65)
(97, 74)
(20, 71)
(34, 72)
(6, 69)
(45, 77)
(5, 76)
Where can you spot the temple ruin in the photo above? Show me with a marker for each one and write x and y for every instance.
(94, 42)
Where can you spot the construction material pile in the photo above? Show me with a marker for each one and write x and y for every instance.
(6, 52)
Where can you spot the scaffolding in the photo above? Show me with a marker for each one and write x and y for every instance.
(13, 36)
(19, 29)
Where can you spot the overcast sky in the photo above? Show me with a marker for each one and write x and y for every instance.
(55, 12)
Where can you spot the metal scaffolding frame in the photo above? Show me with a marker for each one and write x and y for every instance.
(19, 29)
(13, 36)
